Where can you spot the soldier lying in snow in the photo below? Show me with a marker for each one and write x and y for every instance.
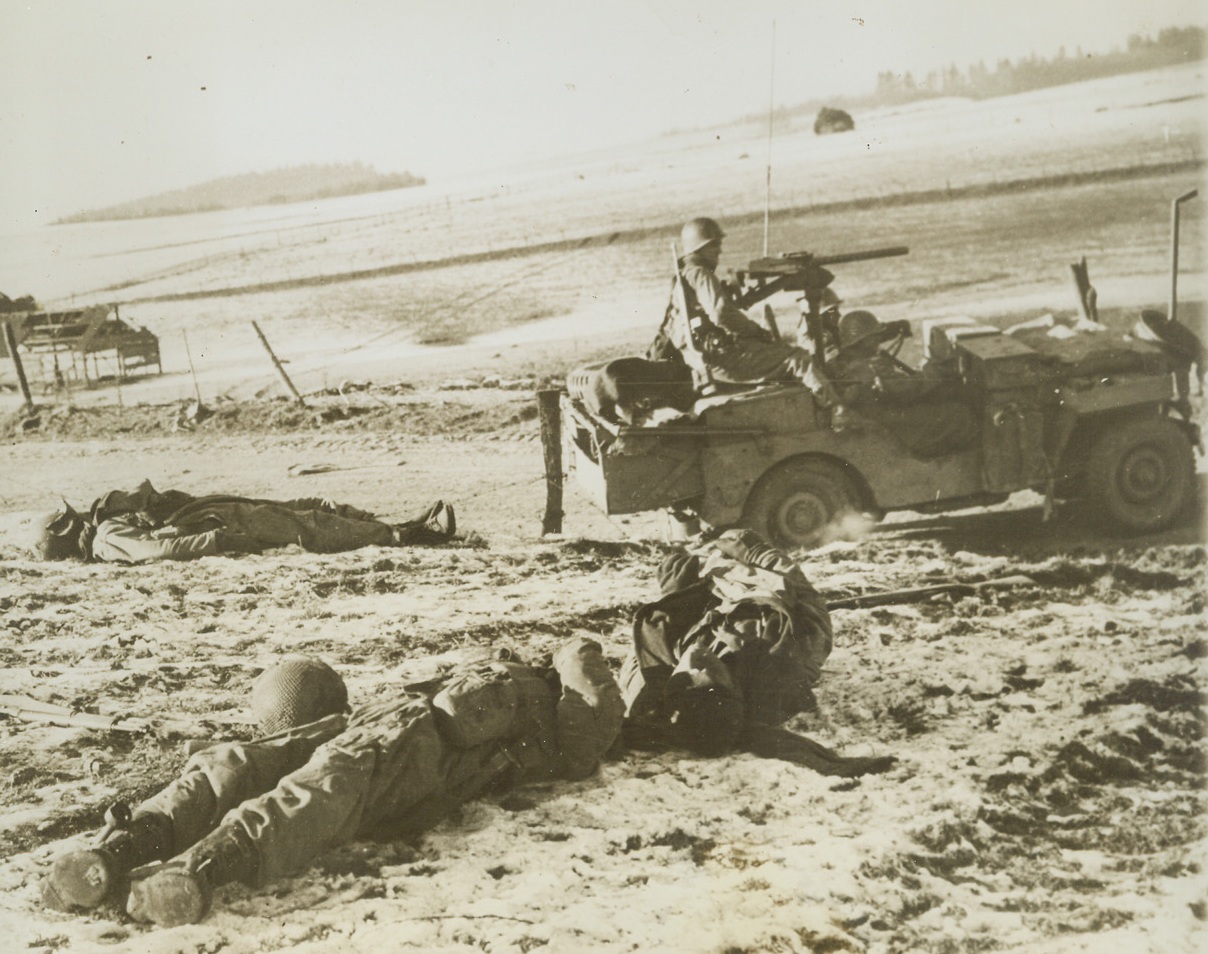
(730, 651)
(145, 525)
(257, 811)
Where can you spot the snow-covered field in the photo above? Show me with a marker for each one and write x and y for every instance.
(1049, 791)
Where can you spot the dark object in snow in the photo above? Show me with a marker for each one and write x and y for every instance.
(831, 120)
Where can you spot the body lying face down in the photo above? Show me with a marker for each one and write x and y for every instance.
(738, 637)
(321, 775)
(729, 652)
(145, 525)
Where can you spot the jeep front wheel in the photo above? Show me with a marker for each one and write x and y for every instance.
(798, 503)
(1141, 475)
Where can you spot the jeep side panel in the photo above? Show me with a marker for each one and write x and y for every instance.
(784, 424)
(630, 469)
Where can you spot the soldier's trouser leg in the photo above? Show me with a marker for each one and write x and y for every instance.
(761, 361)
(220, 778)
(397, 768)
(213, 782)
(368, 777)
(318, 531)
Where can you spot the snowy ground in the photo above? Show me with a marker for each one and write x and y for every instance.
(1049, 792)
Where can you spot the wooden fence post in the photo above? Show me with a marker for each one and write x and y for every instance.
(551, 445)
(289, 385)
(10, 342)
(192, 370)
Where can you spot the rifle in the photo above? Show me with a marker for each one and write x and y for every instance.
(27, 709)
(916, 594)
(697, 324)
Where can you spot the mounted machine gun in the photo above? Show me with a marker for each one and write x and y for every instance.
(806, 273)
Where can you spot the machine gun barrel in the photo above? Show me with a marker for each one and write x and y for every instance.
(788, 263)
(891, 252)
(798, 271)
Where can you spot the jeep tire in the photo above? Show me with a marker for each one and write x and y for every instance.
(796, 503)
(1140, 475)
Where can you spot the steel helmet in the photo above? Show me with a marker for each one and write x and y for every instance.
(857, 326)
(829, 300)
(698, 233)
(296, 691)
(56, 536)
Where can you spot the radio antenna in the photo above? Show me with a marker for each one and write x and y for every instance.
(767, 208)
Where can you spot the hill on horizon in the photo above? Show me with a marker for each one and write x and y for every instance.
(275, 187)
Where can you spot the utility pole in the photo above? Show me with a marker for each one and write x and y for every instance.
(767, 207)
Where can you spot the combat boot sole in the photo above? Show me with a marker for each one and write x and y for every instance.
(168, 894)
(82, 879)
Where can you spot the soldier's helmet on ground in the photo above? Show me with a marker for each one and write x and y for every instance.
(296, 691)
(857, 327)
(698, 233)
(56, 536)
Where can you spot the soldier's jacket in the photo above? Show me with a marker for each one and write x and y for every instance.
(144, 525)
(736, 350)
(753, 607)
(927, 412)
(861, 379)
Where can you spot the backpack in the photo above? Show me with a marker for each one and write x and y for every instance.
(490, 702)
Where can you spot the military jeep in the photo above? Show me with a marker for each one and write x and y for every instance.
(1093, 417)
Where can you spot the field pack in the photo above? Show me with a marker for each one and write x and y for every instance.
(478, 706)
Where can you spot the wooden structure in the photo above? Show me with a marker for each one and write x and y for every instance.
(84, 347)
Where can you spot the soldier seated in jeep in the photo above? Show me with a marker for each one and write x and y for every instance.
(927, 410)
(705, 329)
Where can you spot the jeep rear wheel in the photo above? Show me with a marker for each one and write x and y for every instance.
(1141, 475)
(797, 503)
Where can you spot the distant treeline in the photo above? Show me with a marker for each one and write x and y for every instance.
(979, 81)
(1172, 46)
(291, 184)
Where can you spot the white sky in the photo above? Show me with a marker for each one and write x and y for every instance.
(106, 101)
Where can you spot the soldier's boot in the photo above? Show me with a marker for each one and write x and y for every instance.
(180, 891)
(435, 525)
(443, 519)
(91, 877)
